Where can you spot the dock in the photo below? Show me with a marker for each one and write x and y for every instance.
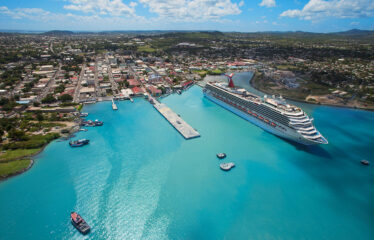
(175, 120)
(114, 106)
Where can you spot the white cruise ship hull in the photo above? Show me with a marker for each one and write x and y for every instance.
(286, 132)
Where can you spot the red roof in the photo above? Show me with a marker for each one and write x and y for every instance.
(133, 82)
(137, 90)
(187, 83)
(154, 89)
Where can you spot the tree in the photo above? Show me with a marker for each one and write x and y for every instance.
(65, 98)
(49, 99)
(17, 135)
(39, 117)
(60, 88)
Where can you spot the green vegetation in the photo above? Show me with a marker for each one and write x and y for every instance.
(65, 98)
(202, 73)
(34, 141)
(147, 48)
(60, 88)
(49, 99)
(215, 72)
(10, 155)
(6, 104)
(10, 168)
(287, 67)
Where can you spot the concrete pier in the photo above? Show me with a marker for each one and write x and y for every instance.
(177, 122)
(114, 106)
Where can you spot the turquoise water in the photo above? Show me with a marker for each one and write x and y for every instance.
(139, 179)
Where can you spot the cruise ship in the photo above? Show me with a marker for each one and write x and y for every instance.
(272, 114)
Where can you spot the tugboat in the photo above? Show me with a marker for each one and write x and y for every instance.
(365, 162)
(226, 166)
(79, 143)
(221, 155)
(79, 223)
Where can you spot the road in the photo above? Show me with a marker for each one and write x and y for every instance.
(114, 84)
(51, 48)
(96, 80)
(78, 87)
(50, 83)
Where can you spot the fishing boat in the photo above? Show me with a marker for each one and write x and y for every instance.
(98, 123)
(91, 123)
(79, 223)
(79, 143)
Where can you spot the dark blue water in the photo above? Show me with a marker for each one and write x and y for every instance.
(139, 179)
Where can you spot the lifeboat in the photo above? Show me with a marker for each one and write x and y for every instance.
(260, 117)
(273, 124)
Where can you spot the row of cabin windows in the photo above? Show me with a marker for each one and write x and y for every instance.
(257, 108)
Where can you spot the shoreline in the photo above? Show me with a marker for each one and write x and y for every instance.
(31, 156)
(75, 128)
(312, 103)
(19, 172)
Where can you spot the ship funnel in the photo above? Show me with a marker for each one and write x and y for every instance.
(231, 82)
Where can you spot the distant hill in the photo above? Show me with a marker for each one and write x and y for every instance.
(58, 32)
(355, 32)
(190, 34)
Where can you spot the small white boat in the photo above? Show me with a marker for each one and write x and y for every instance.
(221, 155)
(365, 162)
(226, 166)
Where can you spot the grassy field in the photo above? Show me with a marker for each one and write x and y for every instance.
(10, 155)
(287, 67)
(13, 167)
(148, 49)
(215, 72)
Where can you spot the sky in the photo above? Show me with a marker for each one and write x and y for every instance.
(220, 15)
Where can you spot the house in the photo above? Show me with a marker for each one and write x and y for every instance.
(154, 91)
(133, 83)
(137, 91)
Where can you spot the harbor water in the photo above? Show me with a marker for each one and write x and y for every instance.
(138, 178)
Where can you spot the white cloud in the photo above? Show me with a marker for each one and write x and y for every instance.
(317, 9)
(192, 10)
(73, 21)
(268, 3)
(30, 13)
(176, 11)
(102, 7)
(241, 4)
